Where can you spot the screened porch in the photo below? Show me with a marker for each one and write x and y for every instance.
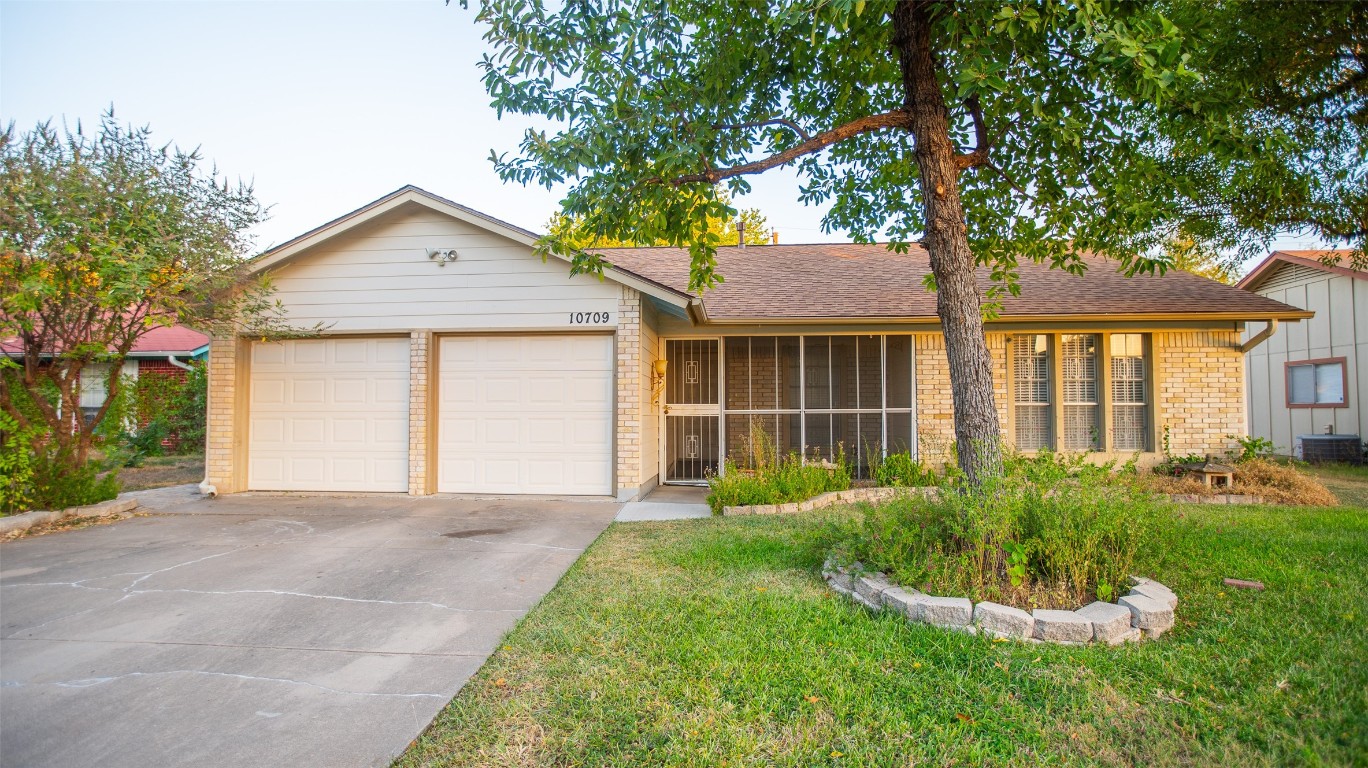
(749, 397)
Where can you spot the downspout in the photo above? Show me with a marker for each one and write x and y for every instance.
(172, 360)
(1261, 336)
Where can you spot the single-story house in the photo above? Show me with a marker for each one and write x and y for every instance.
(457, 360)
(1305, 380)
(163, 350)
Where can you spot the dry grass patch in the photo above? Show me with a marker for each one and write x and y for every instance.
(1275, 482)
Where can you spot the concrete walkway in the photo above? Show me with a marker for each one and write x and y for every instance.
(265, 630)
(668, 502)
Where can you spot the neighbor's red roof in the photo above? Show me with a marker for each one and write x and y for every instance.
(853, 281)
(158, 342)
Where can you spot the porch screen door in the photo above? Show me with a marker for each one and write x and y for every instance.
(692, 410)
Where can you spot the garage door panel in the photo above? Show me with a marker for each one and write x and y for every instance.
(525, 414)
(329, 414)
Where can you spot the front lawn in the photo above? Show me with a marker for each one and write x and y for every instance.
(714, 642)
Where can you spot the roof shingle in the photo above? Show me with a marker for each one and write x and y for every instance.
(857, 281)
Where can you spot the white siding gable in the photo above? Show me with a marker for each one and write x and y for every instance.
(378, 277)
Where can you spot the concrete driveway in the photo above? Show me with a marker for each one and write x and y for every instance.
(265, 630)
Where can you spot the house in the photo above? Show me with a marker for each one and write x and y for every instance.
(457, 360)
(163, 350)
(1305, 379)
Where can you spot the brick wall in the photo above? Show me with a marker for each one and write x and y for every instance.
(628, 377)
(160, 368)
(1200, 381)
(420, 373)
(935, 401)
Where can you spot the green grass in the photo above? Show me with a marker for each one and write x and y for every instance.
(714, 642)
(1348, 482)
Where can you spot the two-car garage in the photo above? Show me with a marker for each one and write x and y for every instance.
(515, 413)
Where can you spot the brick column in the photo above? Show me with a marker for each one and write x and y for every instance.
(223, 439)
(628, 378)
(420, 359)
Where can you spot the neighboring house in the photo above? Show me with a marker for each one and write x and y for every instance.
(164, 350)
(457, 360)
(1305, 379)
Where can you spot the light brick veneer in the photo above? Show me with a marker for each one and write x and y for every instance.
(223, 445)
(1200, 378)
(420, 376)
(936, 402)
(628, 378)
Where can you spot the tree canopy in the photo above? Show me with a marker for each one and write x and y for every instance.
(104, 237)
(993, 132)
(570, 231)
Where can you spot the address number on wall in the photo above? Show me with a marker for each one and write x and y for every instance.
(590, 318)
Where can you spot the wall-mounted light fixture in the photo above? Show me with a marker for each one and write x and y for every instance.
(442, 255)
(658, 380)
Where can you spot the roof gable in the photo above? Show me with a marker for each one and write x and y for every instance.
(411, 195)
(1279, 260)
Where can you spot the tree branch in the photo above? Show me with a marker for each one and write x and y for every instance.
(894, 119)
(796, 128)
(981, 143)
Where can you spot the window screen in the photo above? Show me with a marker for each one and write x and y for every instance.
(1078, 352)
(1031, 391)
(1130, 416)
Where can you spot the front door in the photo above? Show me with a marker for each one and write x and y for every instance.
(692, 410)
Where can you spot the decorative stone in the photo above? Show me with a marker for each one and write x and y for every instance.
(1109, 621)
(1003, 620)
(841, 581)
(944, 611)
(869, 589)
(1061, 626)
(1148, 613)
(1131, 635)
(903, 602)
(1154, 589)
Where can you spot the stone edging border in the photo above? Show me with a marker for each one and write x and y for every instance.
(849, 496)
(875, 495)
(1145, 613)
(1220, 498)
(29, 519)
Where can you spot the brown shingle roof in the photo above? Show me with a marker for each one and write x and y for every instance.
(839, 280)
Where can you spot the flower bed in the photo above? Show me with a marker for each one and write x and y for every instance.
(1146, 612)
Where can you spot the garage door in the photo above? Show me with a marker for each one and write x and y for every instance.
(329, 415)
(525, 414)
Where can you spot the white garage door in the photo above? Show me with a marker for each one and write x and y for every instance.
(525, 414)
(329, 415)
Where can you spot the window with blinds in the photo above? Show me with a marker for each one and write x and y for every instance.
(1031, 391)
(1130, 411)
(1078, 353)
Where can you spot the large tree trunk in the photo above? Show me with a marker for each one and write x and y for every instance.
(977, 432)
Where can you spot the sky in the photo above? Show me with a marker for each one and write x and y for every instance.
(323, 107)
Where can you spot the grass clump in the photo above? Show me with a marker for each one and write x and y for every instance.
(901, 470)
(786, 480)
(1052, 532)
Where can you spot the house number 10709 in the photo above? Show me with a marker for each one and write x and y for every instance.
(588, 318)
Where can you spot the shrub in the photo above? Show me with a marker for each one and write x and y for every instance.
(900, 470)
(1052, 531)
(778, 482)
(16, 466)
(1252, 448)
(56, 486)
(161, 413)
